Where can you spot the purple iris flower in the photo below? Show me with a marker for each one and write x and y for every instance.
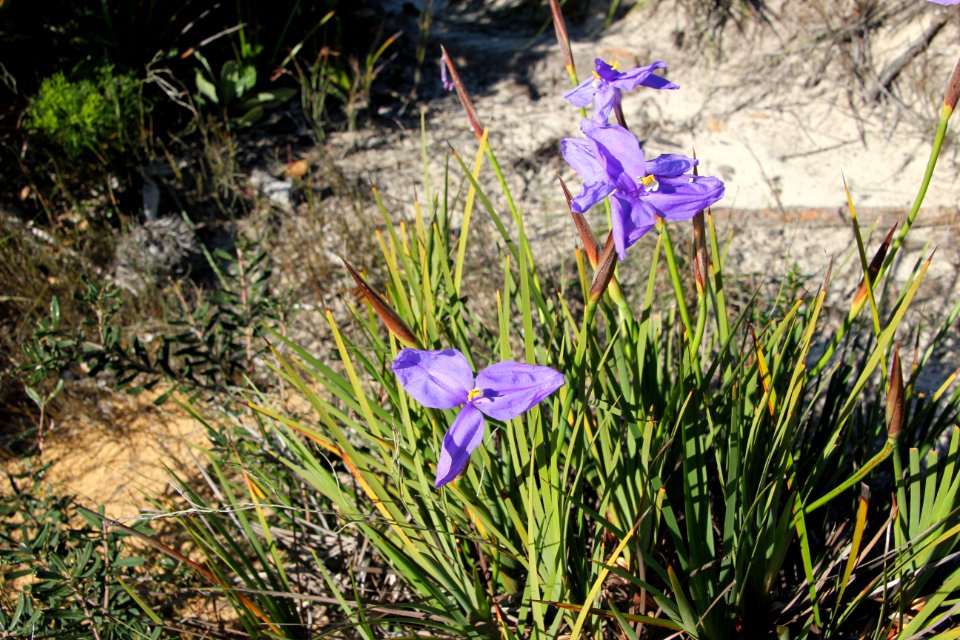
(611, 163)
(608, 81)
(443, 380)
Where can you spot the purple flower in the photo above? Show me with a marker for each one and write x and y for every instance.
(443, 380)
(607, 82)
(611, 163)
(444, 78)
(946, 1)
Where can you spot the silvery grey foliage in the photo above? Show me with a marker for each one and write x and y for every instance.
(149, 252)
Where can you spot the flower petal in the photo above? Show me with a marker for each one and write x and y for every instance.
(603, 100)
(630, 219)
(653, 81)
(590, 194)
(670, 164)
(582, 94)
(435, 379)
(582, 156)
(618, 149)
(643, 77)
(463, 436)
(683, 201)
(605, 71)
(510, 388)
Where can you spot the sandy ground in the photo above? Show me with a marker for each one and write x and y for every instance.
(117, 453)
(778, 117)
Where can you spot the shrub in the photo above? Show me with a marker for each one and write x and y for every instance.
(87, 117)
(70, 576)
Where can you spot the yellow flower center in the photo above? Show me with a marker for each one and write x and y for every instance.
(616, 65)
(650, 182)
(474, 394)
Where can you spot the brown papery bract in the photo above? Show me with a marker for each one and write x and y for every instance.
(560, 26)
(896, 403)
(953, 89)
(462, 94)
(589, 240)
(874, 267)
(604, 274)
(388, 316)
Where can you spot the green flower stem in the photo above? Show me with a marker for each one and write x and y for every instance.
(716, 270)
(675, 276)
(921, 194)
(681, 302)
(577, 384)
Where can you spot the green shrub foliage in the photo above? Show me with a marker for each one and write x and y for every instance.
(95, 116)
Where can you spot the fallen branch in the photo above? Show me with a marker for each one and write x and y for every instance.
(890, 72)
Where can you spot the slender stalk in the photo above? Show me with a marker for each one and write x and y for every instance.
(681, 302)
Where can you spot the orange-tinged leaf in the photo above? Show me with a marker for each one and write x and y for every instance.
(859, 526)
(765, 376)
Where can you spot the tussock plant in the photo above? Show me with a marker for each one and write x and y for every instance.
(590, 460)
